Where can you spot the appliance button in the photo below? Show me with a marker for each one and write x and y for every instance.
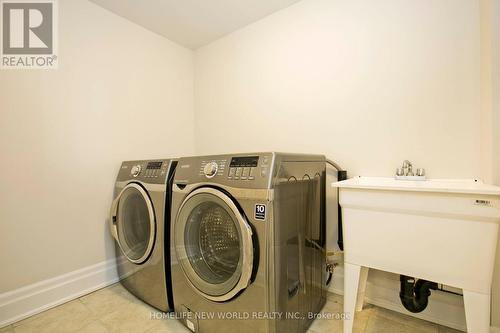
(251, 173)
(238, 172)
(244, 173)
(231, 172)
(263, 172)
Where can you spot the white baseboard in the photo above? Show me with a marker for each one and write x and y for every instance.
(21, 303)
(382, 290)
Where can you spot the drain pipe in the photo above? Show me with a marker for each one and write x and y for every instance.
(415, 294)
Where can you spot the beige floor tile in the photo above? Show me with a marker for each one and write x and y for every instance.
(377, 324)
(7, 329)
(337, 326)
(335, 298)
(34, 317)
(361, 318)
(328, 323)
(68, 317)
(131, 317)
(422, 325)
(93, 327)
(168, 326)
(443, 329)
(105, 301)
(119, 288)
(331, 306)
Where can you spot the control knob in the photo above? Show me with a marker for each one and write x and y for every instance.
(135, 171)
(210, 169)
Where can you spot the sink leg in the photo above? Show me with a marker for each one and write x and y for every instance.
(477, 312)
(363, 277)
(351, 283)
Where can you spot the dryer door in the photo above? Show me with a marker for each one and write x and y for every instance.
(213, 243)
(133, 223)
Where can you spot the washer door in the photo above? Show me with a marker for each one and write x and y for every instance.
(133, 223)
(213, 243)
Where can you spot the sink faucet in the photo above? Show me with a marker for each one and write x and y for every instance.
(407, 170)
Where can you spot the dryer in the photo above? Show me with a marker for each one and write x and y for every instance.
(140, 224)
(248, 242)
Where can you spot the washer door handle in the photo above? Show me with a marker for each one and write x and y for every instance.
(113, 217)
(293, 289)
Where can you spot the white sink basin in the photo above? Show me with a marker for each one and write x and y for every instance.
(438, 230)
(471, 186)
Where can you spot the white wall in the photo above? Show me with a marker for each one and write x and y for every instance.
(121, 92)
(369, 84)
(494, 19)
(486, 114)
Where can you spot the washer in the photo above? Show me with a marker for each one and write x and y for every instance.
(248, 238)
(140, 225)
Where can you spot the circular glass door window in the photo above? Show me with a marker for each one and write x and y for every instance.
(135, 225)
(213, 243)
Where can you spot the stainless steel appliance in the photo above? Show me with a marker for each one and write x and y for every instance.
(139, 222)
(248, 238)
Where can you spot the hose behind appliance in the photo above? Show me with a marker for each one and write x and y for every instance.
(341, 175)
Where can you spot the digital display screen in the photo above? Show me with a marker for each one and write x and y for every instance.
(154, 165)
(247, 161)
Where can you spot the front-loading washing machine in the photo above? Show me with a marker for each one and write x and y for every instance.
(248, 238)
(140, 224)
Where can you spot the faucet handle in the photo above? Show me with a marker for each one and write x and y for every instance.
(410, 171)
(406, 164)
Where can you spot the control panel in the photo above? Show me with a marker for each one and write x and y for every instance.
(238, 170)
(247, 167)
(152, 171)
(240, 167)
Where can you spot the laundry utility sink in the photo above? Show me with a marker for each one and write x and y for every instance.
(443, 231)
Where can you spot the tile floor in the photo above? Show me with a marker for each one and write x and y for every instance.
(113, 309)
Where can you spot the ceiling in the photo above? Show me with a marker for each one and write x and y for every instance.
(193, 23)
